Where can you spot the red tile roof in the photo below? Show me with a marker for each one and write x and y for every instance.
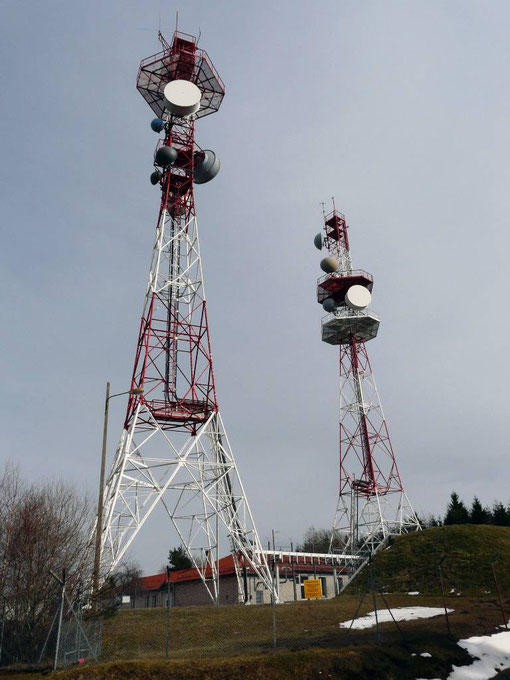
(152, 582)
(156, 582)
(226, 568)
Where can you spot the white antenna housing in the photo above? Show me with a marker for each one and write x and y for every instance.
(182, 97)
(358, 297)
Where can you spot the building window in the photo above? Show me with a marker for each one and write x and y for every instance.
(155, 600)
(147, 601)
(259, 597)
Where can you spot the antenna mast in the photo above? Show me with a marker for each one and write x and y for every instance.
(372, 502)
(173, 450)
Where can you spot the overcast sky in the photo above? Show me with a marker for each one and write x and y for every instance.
(400, 109)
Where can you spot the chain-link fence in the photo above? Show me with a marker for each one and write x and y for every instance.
(233, 630)
(193, 632)
(80, 641)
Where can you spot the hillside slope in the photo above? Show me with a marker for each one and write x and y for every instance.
(410, 564)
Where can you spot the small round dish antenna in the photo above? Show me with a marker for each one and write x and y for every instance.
(165, 156)
(182, 97)
(157, 124)
(329, 265)
(329, 304)
(207, 166)
(358, 297)
(317, 241)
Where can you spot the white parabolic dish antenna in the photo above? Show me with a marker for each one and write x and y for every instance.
(182, 97)
(358, 297)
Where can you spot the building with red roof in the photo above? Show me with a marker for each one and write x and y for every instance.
(186, 588)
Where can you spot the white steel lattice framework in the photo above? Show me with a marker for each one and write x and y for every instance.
(372, 502)
(173, 449)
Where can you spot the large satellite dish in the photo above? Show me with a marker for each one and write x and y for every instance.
(358, 297)
(182, 97)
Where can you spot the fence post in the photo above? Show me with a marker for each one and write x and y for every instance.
(62, 582)
(374, 600)
(273, 600)
(443, 557)
(167, 641)
(2, 628)
(500, 599)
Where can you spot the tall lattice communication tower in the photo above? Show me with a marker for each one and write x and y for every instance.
(372, 502)
(173, 450)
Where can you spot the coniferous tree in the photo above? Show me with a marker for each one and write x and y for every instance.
(499, 514)
(178, 559)
(477, 514)
(434, 521)
(456, 512)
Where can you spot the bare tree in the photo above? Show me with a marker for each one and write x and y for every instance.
(317, 541)
(44, 528)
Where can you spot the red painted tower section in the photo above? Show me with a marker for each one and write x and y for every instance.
(372, 502)
(174, 451)
(178, 393)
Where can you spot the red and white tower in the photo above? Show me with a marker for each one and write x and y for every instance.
(173, 450)
(372, 502)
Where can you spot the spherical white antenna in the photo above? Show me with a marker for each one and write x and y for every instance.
(358, 297)
(182, 97)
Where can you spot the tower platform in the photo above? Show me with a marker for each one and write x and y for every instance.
(343, 326)
(336, 285)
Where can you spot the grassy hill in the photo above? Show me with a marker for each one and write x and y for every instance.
(411, 562)
(236, 642)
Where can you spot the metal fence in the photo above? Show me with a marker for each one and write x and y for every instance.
(232, 630)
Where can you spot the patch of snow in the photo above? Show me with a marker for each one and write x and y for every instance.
(426, 654)
(400, 614)
(491, 653)
(413, 592)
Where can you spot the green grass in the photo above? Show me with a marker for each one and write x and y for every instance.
(230, 643)
(234, 642)
(411, 563)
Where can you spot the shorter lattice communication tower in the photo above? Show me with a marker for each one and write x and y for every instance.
(372, 502)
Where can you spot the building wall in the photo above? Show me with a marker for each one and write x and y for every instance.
(148, 599)
(289, 589)
(194, 593)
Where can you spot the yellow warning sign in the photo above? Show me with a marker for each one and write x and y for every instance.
(313, 588)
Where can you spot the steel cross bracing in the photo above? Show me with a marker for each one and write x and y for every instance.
(372, 502)
(173, 449)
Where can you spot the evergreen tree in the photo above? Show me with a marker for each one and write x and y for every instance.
(178, 559)
(477, 514)
(431, 521)
(499, 514)
(456, 512)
